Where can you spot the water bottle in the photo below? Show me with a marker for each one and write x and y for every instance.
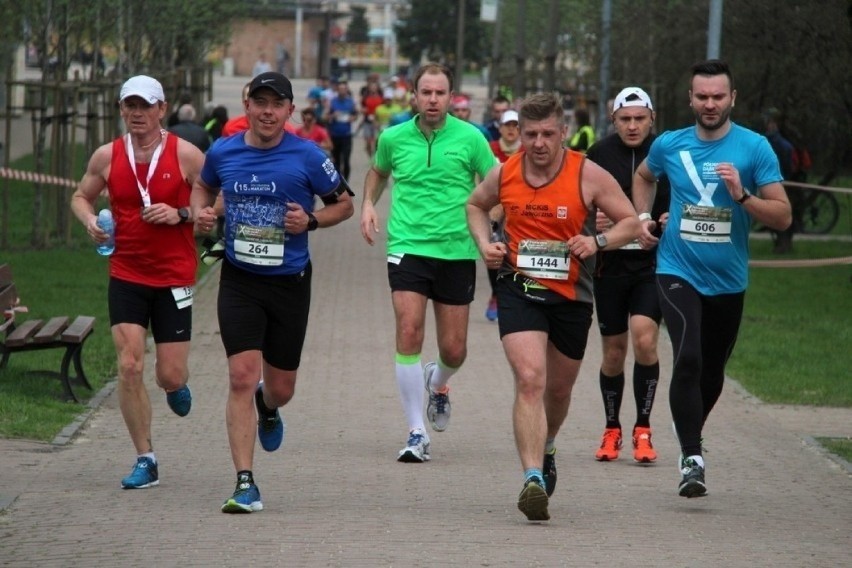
(106, 223)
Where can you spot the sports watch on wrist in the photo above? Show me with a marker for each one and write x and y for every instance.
(601, 240)
(312, 222)
(746, 196)
(183, 213)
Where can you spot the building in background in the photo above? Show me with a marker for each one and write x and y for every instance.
(312, 35)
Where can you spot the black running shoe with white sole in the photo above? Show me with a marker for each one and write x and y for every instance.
(692, 481)
(549, 471)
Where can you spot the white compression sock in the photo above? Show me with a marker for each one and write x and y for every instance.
(441, 376)
(409, 377)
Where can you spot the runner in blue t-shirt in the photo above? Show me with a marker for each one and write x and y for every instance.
(269, 179)
(721, 175)
(342, 113)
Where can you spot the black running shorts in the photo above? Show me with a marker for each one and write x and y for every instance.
(566, 322)
(146, 305)
(450, 282)
(265, 313)
(619, 297)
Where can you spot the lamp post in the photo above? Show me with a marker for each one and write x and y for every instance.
(460, 46)
(714, 29)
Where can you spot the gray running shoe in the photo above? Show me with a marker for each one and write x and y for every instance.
(438, 409)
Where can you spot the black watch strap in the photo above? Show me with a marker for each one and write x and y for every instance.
(312, 222)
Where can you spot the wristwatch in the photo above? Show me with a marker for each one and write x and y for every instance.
(601, 240)
(746, 196)
(183, 213)
(312, 222)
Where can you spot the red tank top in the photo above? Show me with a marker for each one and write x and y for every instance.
(152, 255)
(554, 211)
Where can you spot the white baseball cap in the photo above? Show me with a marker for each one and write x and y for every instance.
(144, 87)
(509, 116)
(638, 98)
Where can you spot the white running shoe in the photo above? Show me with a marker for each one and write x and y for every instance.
(416, 449)
(438, 409)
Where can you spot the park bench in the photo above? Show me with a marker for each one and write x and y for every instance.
(36, 334)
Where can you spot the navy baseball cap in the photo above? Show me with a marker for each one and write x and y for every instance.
(272, 80)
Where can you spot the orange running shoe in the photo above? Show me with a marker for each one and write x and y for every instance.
(643, 451)
(610, 445)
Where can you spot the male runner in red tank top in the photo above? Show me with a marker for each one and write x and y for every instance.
(149, 175)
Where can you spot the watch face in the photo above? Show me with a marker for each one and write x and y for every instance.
(183, 214)
(601, 240)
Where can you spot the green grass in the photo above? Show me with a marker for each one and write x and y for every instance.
(797, 328)
(52, 283)
(841, 447)
(60, 281)
(65, 278)
(54, 207)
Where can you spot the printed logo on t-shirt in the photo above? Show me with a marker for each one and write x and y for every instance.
(704, 191)
(537, 210)
(255, 186)
(328, 168)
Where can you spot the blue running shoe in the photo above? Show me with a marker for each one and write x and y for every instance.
(270, 426)
(144, 474)
(491, 310)
(180, 401)
(246, 498)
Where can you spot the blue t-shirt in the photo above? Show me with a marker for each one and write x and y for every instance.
(706, 237)
(340, 112)
(257, 184)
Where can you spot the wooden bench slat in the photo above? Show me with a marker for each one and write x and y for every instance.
(36, 335)
(23, 333)
(51, 330)
(79, 329)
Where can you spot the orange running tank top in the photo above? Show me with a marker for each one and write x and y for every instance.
(540, 220)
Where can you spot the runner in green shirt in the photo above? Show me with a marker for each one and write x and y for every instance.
(434, 160)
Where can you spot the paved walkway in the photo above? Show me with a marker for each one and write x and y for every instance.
(335, 496)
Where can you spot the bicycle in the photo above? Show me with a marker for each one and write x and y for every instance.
(815, 211)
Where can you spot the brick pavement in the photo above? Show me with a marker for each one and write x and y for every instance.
(335, 496)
